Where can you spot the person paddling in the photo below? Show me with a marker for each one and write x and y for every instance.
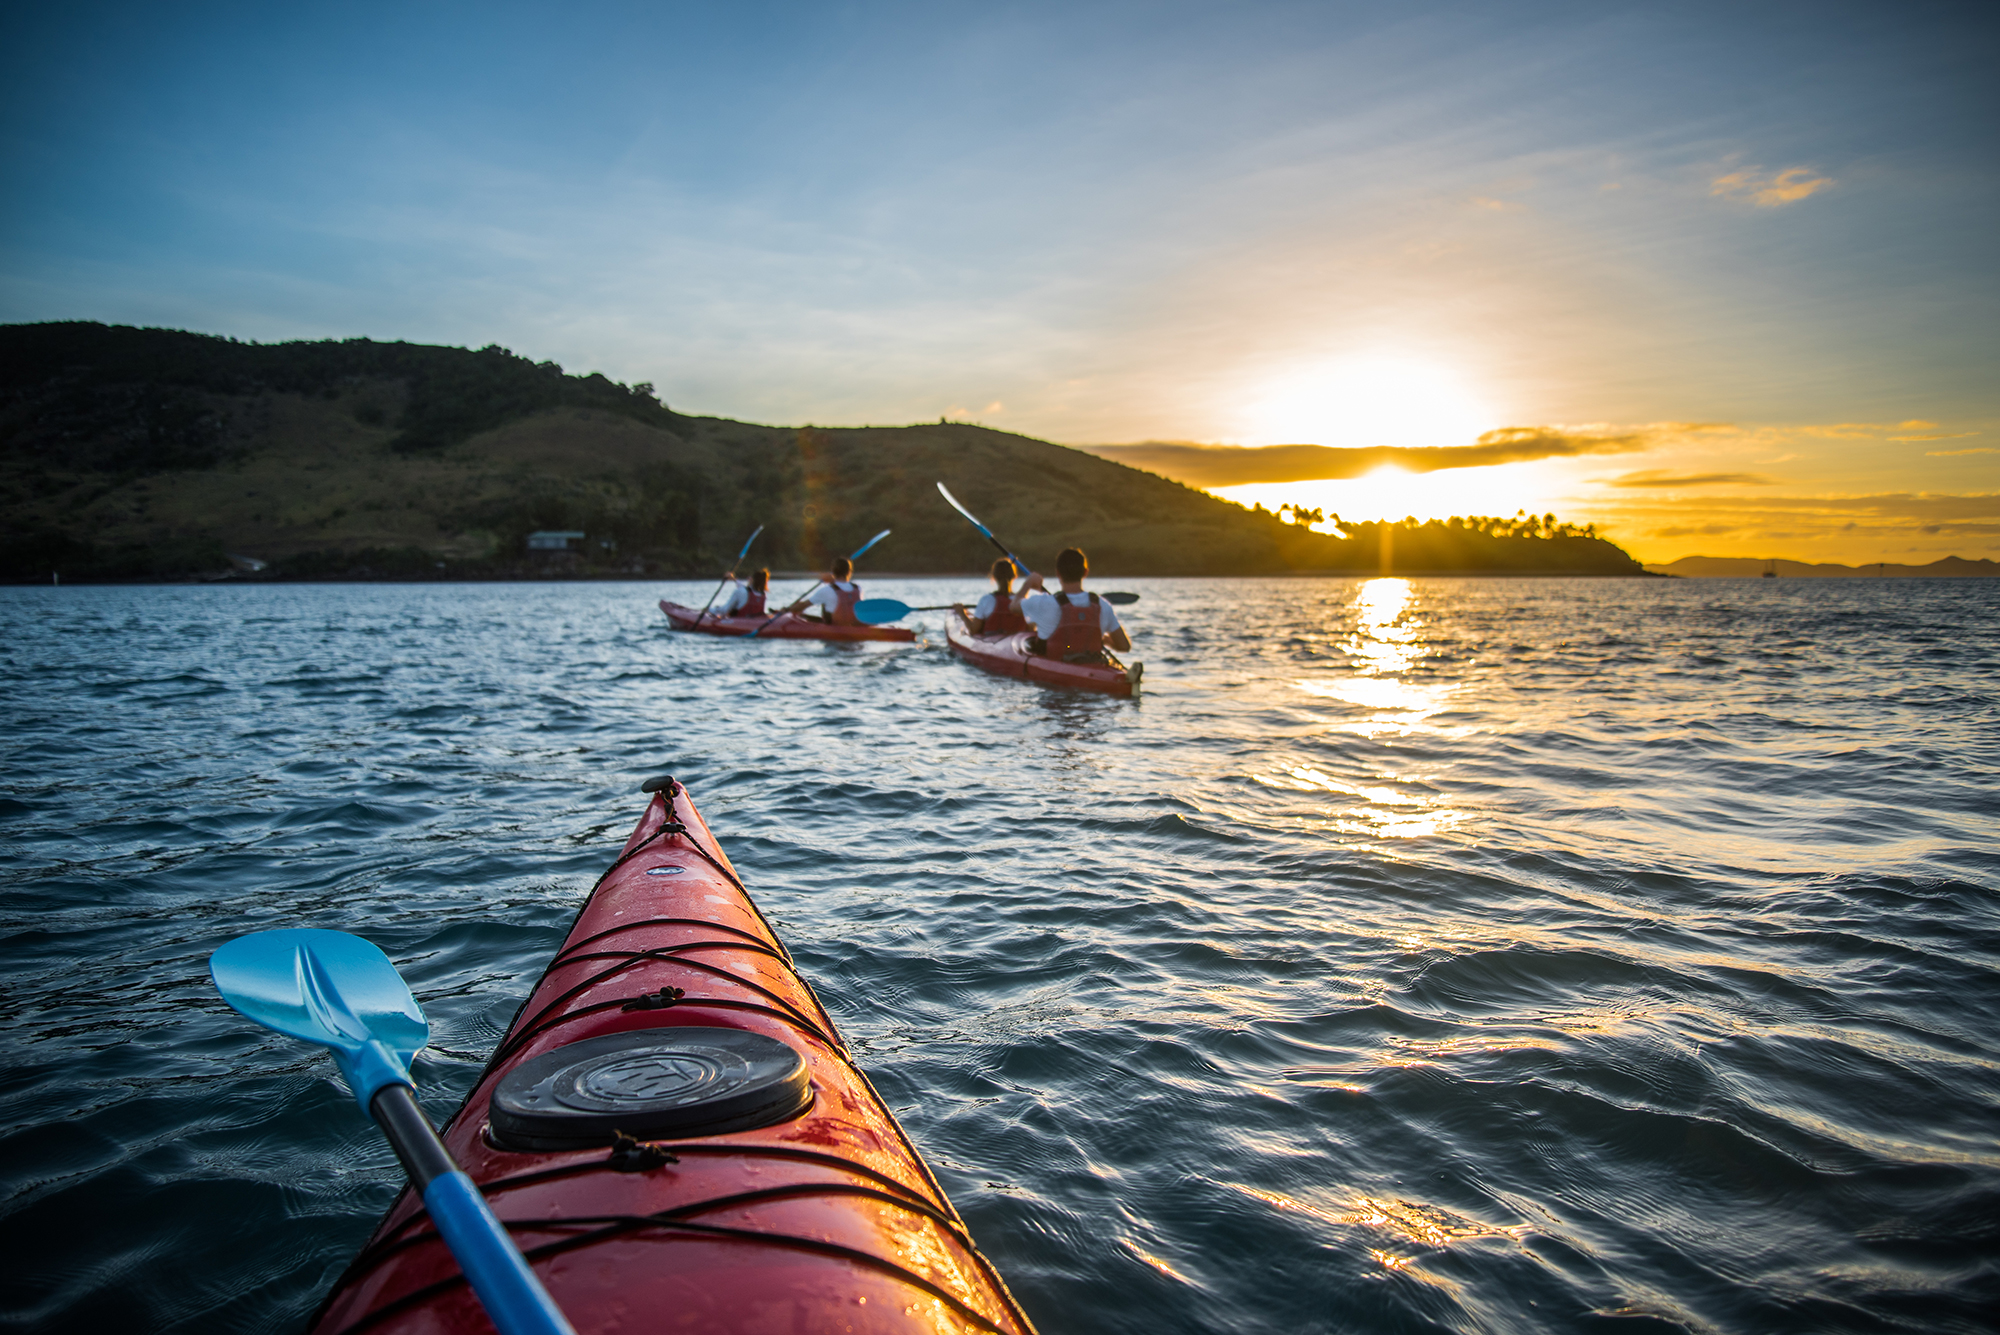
(1074, 626)
(835, 596)
(999, 612)
(746, 600)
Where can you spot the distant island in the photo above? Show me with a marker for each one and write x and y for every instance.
(1750, 567)
(161, 454)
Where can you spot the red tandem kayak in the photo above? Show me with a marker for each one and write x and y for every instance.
(1008, 655)
(788, 626)
(678, 1139)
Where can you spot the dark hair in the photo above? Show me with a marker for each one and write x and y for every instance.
(843, 568)
(1003, 573)
(760, 580)
(1072, 563)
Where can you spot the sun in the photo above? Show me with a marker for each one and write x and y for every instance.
(1357, 402)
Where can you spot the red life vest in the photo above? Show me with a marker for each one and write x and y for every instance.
(753, 604)
(843, 609)
(1005, 618)
(1079, 631)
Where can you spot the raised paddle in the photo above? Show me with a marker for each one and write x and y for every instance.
(877, 611)
(725, 579)
(855, 557)
(952, 501)
(1115, 599)
(341, 992)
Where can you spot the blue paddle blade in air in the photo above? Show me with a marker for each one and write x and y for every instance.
(877, 611)
(330, 988)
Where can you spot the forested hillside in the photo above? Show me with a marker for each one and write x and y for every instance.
(145, 453)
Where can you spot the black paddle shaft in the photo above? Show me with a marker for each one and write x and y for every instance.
(423, 1155)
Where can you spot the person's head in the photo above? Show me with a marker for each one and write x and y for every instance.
(843, 569)
(760, 580)
(1072, 564)
(1003, 574)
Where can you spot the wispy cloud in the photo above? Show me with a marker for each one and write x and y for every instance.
(1694, 531)
(1233, 466)
(1953, 454)
(1843, 528)
(1939, 435)
(1911, 508)
(1770, 191)
(1657, 477)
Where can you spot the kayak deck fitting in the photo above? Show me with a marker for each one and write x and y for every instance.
(677, 1138)
(785, 626)
(1008, 656)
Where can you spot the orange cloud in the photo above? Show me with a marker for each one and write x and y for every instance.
(1234, 466)
(1769, 192)
(1655, 477)
(1953, 454)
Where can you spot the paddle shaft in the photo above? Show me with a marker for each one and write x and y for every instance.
(725, 579)
(512, 1296)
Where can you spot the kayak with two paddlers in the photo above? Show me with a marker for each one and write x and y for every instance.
(744, 612)
(785, 626)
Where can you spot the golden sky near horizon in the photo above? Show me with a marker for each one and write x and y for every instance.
(1847, 492)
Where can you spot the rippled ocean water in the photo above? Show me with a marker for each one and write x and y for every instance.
(1502, 955)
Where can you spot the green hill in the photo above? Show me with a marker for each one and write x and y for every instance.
(149, 453)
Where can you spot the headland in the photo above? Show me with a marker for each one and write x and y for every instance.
(160, 454)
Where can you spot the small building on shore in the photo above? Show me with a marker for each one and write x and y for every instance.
(555, 540)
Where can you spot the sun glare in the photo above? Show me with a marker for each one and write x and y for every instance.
(1366, 401)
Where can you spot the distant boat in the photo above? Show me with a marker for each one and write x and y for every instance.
(1770, 570)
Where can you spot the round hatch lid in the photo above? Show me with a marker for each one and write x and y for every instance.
(652, 1084)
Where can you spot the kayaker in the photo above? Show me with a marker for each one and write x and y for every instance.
(835, 595)
(1073, 625)
(999, 612)
(746, 600)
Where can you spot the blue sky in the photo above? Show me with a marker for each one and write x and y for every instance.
(1254, 223)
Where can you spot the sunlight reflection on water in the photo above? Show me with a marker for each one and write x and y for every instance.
(1387, 640)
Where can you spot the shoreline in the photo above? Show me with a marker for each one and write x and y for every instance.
(979, 575)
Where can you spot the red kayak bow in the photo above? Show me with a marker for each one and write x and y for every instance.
(678, 1139)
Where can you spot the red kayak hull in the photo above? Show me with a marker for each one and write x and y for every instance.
(788, 626)
(1008, 656)
(826, 1221)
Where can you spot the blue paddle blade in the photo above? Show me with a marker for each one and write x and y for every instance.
(329, 988)
(870, 543)
(876, 611)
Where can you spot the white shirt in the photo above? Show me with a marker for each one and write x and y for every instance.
(1046, 613)
(985, 608)
(739, 594)
(824, 595)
